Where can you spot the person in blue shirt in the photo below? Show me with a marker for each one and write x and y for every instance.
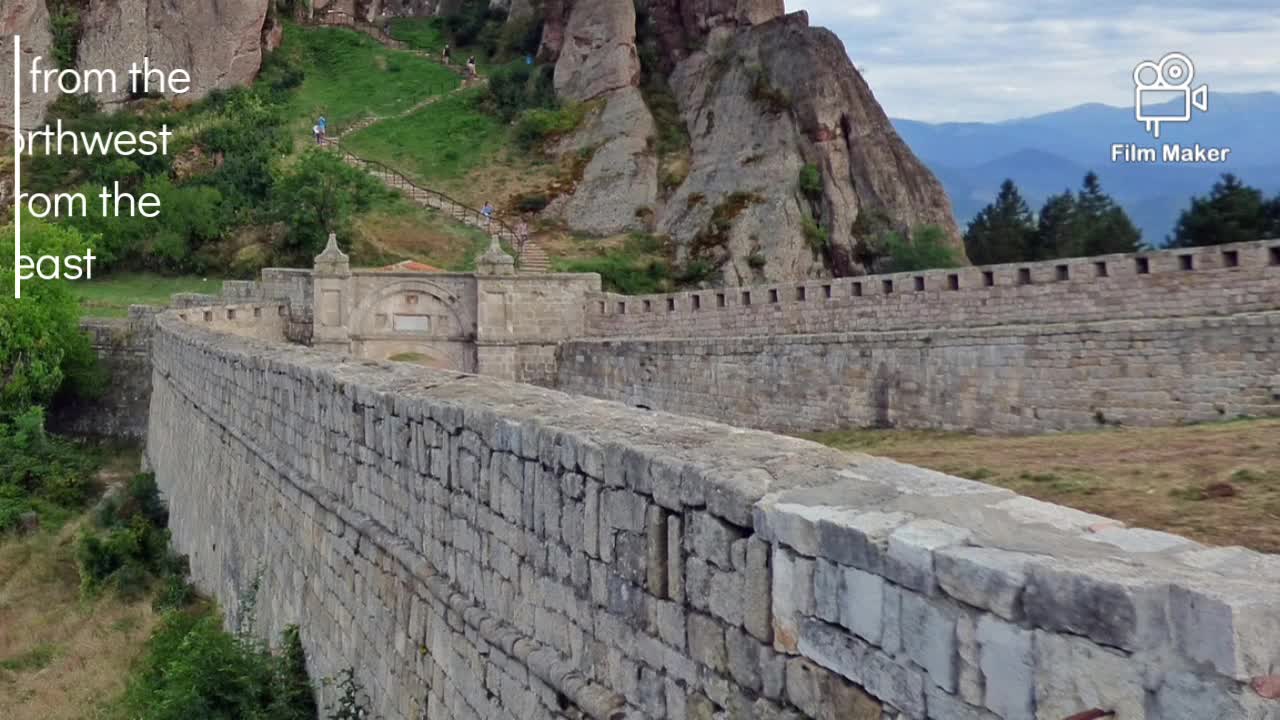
(323, 125)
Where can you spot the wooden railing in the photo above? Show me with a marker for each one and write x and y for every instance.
(456, 210)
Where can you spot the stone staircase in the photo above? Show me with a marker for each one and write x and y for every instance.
(530, 257)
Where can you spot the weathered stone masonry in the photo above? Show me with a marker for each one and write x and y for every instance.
(1148, 339)
(481, 549)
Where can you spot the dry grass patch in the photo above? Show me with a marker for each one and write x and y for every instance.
(407, 232)
(1216, 483)
(61, 656)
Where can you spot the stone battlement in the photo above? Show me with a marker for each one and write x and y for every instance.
(1221, 280)
(477, 548)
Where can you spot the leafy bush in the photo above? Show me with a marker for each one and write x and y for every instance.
(195, 669)
(639, 267)
(535, 128)
(927, 250)
(42, 349)
(317, 196)
(66, 28)
(128, 550)
(40, 472)
(811, 182)
(816, 236)
(517, 88)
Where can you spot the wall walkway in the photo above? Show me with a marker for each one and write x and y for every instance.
(481, 549)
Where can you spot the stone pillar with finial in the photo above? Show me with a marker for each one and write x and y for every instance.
(331, 278)
(495, 260)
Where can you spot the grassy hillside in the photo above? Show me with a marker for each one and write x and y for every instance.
(442, 141)
(348, 75)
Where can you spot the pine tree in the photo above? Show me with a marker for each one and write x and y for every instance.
(1232, 212)
(1273, 218)
(1058, 232)
(1103, 226)
(1001, 231)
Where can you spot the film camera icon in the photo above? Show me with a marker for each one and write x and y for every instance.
(1163, 92)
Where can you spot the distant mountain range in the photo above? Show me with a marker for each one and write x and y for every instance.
(1047, 154)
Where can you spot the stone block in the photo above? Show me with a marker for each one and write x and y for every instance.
(706, 641)
(986, 578)
(710, 538)
(1231, 625)
(744, 659)
(1107, 602)
(792, 596)
(944, 706)
(910, 554)
(1005, 656)
(758, 588)
(862, 604)
(929, 638)
(831, 647)
(1073, 675)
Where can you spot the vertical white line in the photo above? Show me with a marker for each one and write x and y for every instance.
(17, 163)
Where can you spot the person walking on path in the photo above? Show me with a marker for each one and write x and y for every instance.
(324, 127)
(444, 55)
(315, 130)
(487, 212)
(471, 68)
(522, 234)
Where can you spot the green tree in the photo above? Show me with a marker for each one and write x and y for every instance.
(42, 349)
(317, 196)
(1232, 212)
(1102, 226)
(927, 250)
(1057, 232)
(1001, 231)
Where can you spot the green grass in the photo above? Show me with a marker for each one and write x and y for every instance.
(424, 34)
(38, 658)
(350, 75)
(111, 296)
(639, 267)
(443, 141)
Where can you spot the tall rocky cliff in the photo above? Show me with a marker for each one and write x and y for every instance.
(219, 42)
(30, 20)
(762, 96)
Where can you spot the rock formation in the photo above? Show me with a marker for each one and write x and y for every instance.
(598, 63)
(30, 20)
(763, 96)
(220, 43)
(770, 101)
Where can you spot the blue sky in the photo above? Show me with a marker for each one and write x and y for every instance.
(957, 60)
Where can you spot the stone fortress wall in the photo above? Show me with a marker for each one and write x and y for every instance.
(123, 347)
(1148, 339)
(476, 548)
(1221, 280)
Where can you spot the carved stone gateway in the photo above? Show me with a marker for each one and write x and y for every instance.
(492, 322)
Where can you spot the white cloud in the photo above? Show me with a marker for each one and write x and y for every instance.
(998, 59)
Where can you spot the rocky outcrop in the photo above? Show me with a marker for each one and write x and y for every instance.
(765, 98)
(619, 186)
(218, 42)
(598, 63)
(599, 50)
(685, 26)
(773, 99)
(30, 20)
